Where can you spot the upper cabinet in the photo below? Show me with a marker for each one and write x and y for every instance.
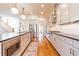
(74, 12)
(67, 13)
(62, 13)
(59, 15)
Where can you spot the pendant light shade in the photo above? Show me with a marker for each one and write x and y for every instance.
(14, 10)
(23, 16)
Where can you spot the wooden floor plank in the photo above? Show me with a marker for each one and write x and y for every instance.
(45, 49)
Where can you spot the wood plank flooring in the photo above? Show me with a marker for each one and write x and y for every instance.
(46, 49)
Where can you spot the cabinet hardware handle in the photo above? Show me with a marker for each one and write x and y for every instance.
(54, 39)
(70, 50)
(73, 52)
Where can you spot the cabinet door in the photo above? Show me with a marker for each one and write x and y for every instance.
(65, 13)
(76, 44)
(68, 50)
(75, 52)
(62, 14)
(52, 39)
(59, 15)
(67, 47)
(76, 48)
(59, 44)
(25, 40)
(73, 12)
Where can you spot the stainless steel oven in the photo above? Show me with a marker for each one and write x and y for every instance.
(11, 46)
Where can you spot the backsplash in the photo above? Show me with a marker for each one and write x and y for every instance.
(71, 28)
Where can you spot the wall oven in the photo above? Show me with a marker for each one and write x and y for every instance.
(11, 46)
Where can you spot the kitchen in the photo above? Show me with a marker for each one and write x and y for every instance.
(32, 24)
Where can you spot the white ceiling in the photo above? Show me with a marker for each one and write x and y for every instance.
(34, 8)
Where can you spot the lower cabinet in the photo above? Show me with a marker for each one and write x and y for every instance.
(65, 46)
(75, 52)
(67, 50)
(75, 48)
(25, 40)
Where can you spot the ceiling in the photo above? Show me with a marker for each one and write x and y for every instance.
(29, 8)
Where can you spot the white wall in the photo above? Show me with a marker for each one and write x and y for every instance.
(34, 20)
(2, 30)
(71, 28)
(14, 23)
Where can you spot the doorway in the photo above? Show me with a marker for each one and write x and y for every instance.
(41, 32)
(33, 30)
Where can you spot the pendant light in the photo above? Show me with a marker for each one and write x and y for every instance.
(23, 16)
(14, 10)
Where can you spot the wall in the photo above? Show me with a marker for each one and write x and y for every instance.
(2, 30)
(73, 15)
(71, 28)
(14, 23)
(34, 20)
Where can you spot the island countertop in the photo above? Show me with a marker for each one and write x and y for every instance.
(7, 36)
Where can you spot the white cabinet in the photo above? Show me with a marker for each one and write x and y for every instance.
(25, 40)
(59, 44)
(62, 44)
(75, 48)
(76, 44)
(62, 14)
(65, 46)
(59, 15)
(52, 39)
(75, 52)
(73, 12)
(67, 13)
(67, 50)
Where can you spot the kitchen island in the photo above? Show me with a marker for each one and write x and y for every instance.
(13, 44)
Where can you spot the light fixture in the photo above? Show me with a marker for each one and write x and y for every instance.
(42, 12)
(23, 16)
(42, 6)
(14, 10)
(63, 5)
(54, 16)
(31, 13)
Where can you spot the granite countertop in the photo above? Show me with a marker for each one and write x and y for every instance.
(67, 35)
(7, 36)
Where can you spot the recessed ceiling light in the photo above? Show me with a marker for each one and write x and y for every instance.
(63, 5)
(42, 6)
(31, 13)
(54, 16)
(42, 12)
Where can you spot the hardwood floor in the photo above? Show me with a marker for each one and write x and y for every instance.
(46, 49)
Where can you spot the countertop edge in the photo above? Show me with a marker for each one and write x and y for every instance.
(20, 34)
(61, 34)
